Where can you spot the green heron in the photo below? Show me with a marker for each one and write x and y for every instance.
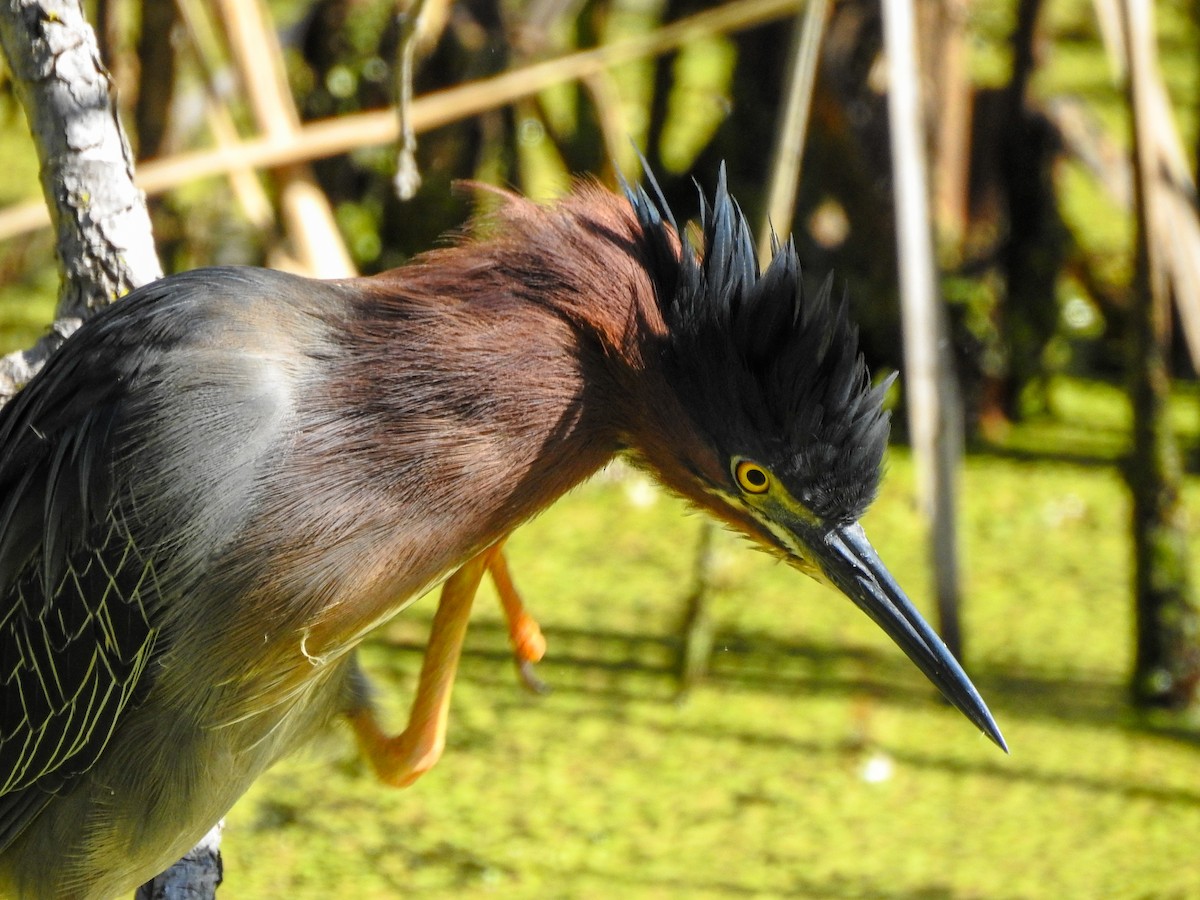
(219, 486)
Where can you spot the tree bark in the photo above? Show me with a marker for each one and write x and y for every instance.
(195, 877)
(1167, 666)
(1035, 244)
(104, 243)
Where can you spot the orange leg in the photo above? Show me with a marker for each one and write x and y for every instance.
(401, 760)
(529, 646)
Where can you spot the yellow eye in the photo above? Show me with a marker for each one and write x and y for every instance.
(751, 477)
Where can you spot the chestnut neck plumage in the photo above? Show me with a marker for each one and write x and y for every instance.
(483, 381)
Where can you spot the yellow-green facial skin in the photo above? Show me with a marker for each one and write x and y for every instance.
(777, 513)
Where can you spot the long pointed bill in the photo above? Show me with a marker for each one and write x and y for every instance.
(852, 565)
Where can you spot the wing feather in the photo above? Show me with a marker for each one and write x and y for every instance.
(75, 633)
(107, 482)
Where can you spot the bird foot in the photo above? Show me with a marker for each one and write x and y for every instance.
(528, 642)
(529, 677)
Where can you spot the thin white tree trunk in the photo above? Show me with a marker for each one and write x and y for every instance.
(934, 406)
(793, 123)
(105, 247)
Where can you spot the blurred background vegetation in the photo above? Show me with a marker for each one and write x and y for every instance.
(811, 760)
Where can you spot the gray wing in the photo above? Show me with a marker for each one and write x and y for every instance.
(91, 490)
(75, 636)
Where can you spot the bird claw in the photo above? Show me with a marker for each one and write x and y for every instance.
(529, 677)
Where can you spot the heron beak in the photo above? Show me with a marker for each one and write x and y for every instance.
(851, 564)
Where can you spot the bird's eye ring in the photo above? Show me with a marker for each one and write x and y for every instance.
(751, 477)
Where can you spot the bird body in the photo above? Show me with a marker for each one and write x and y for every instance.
(219, 486)
(259, 457)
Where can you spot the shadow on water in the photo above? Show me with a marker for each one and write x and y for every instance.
(626, 666)
(841, 888)
(622, 668)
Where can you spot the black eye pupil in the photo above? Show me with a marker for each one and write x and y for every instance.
(756, 477)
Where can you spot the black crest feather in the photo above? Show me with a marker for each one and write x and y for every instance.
(765, 370)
